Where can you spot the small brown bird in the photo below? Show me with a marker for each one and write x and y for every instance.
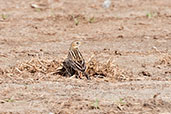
(75, 62)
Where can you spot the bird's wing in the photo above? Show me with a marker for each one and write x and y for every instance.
(76, 65)
(76, 60)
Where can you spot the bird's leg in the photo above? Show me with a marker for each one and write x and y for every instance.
(86, 75)
(78, 75)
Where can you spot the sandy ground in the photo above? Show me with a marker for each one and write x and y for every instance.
(136, 34)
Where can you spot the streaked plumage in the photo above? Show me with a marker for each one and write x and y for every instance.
(75, 62)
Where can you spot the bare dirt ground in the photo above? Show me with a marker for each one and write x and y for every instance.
(134, 34)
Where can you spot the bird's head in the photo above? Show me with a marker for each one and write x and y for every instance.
(75, 44)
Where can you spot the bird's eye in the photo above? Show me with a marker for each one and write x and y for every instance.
(77, 43)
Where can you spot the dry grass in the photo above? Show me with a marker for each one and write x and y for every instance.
(165, 60)
(44, 69)
(38, 65)
(106, 70)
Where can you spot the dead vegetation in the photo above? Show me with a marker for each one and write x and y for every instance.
(165, 60)
(48, 69)
(106, 70)
(37, 65)
(38, 69)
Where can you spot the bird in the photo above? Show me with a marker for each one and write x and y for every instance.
(75, 63)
